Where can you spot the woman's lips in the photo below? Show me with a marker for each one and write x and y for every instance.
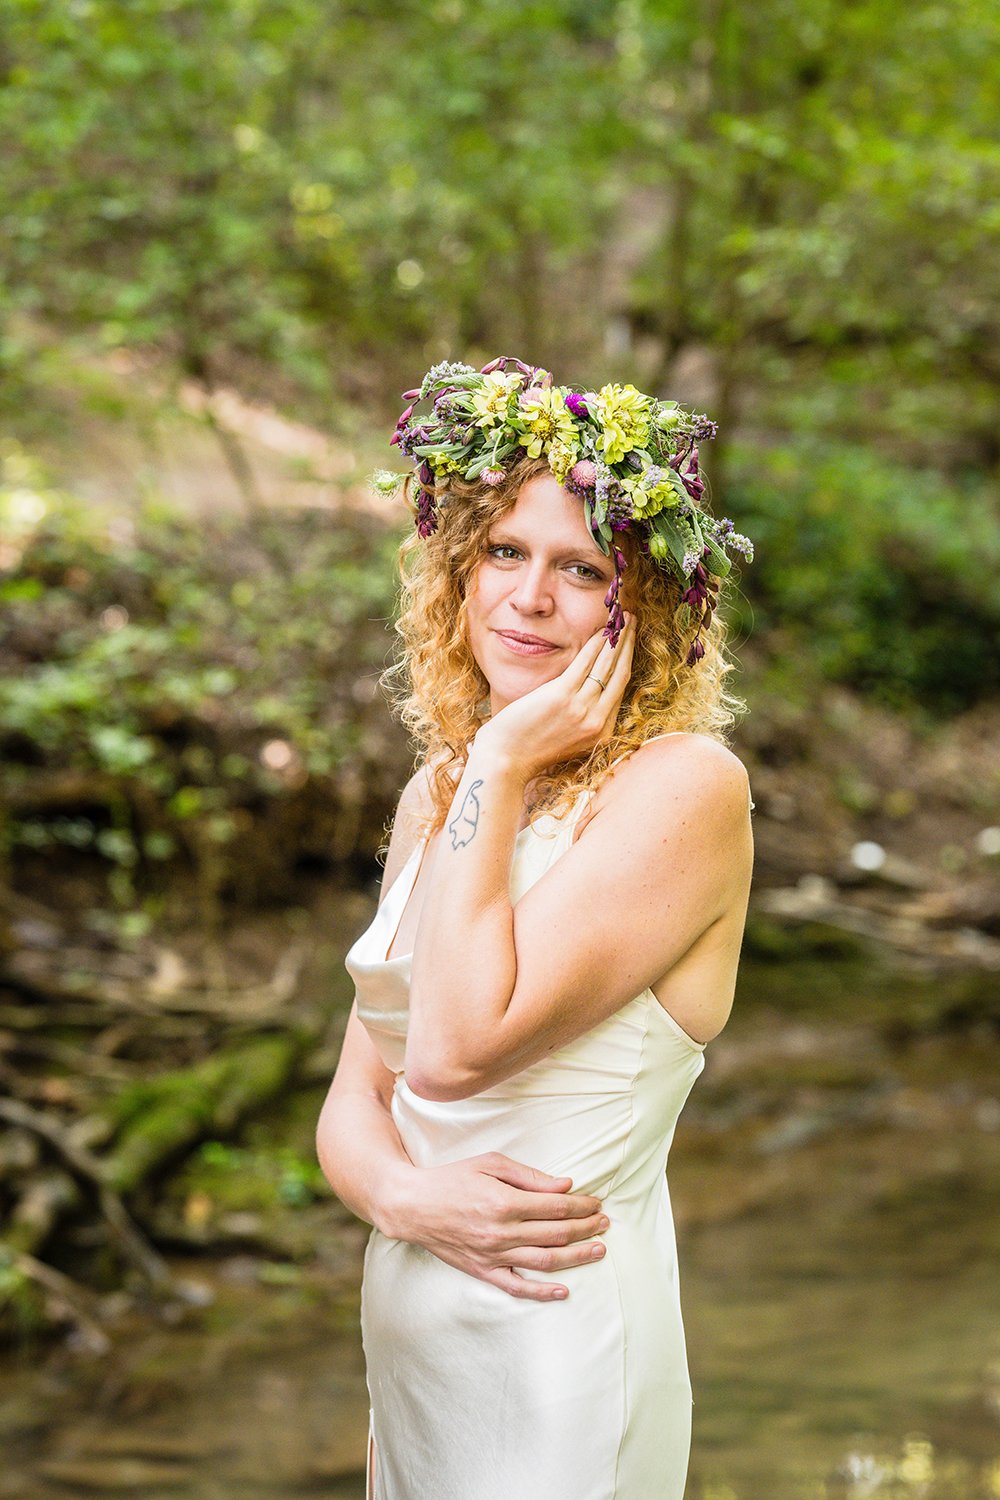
(525, 648)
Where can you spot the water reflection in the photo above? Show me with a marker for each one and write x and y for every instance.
(835, 1188)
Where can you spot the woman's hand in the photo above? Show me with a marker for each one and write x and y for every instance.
(568, 715)
(489, 1212)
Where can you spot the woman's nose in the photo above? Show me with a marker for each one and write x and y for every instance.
(532, 591)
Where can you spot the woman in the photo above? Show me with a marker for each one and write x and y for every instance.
(554, 948)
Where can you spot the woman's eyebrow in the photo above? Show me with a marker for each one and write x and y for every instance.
(577, 553)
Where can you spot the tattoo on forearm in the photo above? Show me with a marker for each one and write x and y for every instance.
(463, 824)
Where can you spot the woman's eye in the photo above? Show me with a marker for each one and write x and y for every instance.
(497, 549)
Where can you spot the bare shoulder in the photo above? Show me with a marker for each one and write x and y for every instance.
(414, 807)
(680, 775)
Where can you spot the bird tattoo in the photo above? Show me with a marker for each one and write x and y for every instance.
(463, 824)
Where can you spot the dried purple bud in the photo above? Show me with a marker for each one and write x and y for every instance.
(426, 514)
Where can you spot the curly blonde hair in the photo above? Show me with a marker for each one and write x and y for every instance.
(442, 697)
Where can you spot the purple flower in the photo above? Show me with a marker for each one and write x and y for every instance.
(426, 514)
(577, 405)
(408, 439)
(696, 653)
(740, 543)
(606, 484)
(620, 514)
(615, 625)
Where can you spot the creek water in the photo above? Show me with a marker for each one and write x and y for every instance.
(834, 1183)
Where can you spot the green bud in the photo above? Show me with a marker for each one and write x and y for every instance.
(386, 482)
(718, 561)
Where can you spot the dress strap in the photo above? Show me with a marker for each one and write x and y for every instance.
(668, 735)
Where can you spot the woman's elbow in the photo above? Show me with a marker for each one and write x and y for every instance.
(440, 1083)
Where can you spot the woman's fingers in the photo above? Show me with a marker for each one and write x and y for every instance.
(549, 1207)
(543, 1233)
(522, 1286)
(576, 674)
(537, 1258)
(621, 667)
(556, 1258)
(614, 658)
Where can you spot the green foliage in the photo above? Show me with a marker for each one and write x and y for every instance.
(889, 577)
(320, 190)
(322, 199)
(182, 672)
(238, 1177)
(22, 1308)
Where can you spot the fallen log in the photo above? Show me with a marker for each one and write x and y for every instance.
(93, 1173)
(39, 1208)
(159, 1118)
(69, 1297)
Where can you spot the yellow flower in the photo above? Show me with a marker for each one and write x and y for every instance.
(562, 457)
(648, 499)
(624, 416)
(443, 463)
(493, 400)
(547, 420)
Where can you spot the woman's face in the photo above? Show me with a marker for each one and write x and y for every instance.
(542, 577)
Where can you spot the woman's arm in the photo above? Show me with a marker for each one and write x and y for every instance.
(478, 1214)
(496, 988)
(357, 1143)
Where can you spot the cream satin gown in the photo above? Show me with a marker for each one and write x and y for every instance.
(477, 1395)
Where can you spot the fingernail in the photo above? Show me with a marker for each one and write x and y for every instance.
(597, 1252)
(603, 1223)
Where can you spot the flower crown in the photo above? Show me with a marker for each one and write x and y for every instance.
(632, 459)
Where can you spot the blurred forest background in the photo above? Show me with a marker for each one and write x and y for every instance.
(233, 231)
